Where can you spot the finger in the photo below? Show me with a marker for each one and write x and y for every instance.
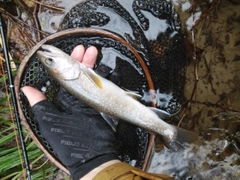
(33, 95)
(90, 56)
(78, 53)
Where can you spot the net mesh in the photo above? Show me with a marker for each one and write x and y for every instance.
(132, 147)
(164, 57)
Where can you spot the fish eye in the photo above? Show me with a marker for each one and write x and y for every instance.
(49, 61)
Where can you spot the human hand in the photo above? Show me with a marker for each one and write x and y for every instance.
(79, 136)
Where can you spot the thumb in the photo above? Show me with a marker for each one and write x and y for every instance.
(33, 95)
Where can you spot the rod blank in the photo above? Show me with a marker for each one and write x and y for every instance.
(14, 101)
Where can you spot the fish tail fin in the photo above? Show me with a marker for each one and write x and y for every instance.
(182, 136)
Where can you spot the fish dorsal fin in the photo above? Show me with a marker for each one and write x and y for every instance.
(134, 95)
(92, 76)
(160, 113)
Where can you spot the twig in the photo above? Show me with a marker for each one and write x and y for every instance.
(195, 59)
(24, 37)
(36, 20)
(49, 6)
(205, 14)
(209, 76)
(196, 76)
(13, 65)
(20, 21)
(214, 105)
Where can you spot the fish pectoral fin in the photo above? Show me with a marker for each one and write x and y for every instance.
(112, 122)
(160, 113)
(92, 76)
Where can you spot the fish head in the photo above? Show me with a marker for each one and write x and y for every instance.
(58, 63)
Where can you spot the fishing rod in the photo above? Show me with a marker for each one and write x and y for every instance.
(14, 101)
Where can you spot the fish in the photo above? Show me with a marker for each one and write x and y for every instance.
(107, 98)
